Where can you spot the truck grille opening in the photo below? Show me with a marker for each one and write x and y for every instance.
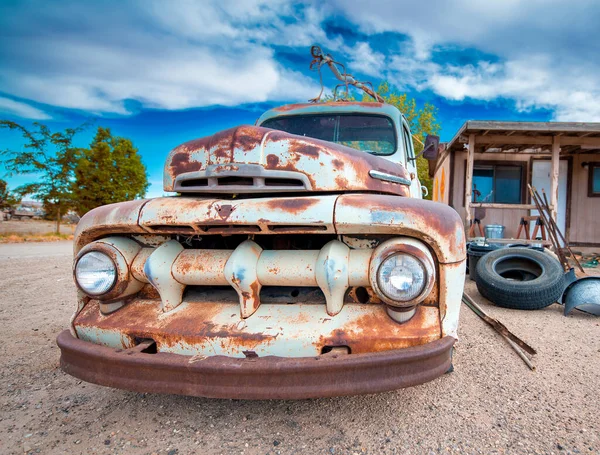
(230, 239)
(246, 181)
(295, 228)
(166, 229)
(283, 182)
(194, 182)
(148, 345)
(282, 295)
(291, 295)
(235, 181)
(229, 229)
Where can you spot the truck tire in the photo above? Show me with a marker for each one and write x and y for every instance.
(520, 278)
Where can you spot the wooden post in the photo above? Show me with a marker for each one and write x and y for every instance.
(554, 176)
(469, 180)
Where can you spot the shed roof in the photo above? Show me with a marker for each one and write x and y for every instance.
(528, 137)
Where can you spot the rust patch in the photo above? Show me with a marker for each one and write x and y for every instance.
(295, 206)
(378, 332)
(248, 137)
(194, 326)
(341, 182)
(180, 164)
(221, 152)
(304, 148)
(272, 161)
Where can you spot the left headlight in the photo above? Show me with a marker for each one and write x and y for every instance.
(402, 277)
(95, 273)
(402, 272)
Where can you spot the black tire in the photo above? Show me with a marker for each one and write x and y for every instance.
(520, 278)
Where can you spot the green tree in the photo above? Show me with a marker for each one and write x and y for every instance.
(111, 170)
(51, 159)
(422, 121)
(7, 198)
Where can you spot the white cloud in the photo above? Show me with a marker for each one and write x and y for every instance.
(540, 54)
(365, 60)
(95, 57)
(19, 109)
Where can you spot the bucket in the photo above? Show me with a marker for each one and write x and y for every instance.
(475, 251)
(494, 231)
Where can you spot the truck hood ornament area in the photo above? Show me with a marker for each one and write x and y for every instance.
(251, 159)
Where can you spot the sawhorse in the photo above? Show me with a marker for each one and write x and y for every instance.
(524, 225)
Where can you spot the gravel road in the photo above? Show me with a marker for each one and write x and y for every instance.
(491, 404)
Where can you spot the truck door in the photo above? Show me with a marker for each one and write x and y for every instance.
(411, 163)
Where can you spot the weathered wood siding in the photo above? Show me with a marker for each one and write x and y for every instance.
(441, 183)
(584, 219)
(585, 211)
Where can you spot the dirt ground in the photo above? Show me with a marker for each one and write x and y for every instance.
(491, 404)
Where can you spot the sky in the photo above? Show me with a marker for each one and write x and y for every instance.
(162, 73)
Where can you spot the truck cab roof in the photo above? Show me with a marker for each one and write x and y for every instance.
(345, 107)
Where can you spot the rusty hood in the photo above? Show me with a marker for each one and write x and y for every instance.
(251, 159)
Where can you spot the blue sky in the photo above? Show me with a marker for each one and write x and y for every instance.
(162, 73)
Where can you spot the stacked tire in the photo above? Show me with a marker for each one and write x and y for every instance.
(520, 278)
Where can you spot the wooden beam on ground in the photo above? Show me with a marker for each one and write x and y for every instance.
(469, 180)
(521, 241)
(554, 175)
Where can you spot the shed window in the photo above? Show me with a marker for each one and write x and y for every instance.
(497, 183)
(594, 186)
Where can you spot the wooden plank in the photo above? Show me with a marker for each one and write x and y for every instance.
(511, 128)
(469, 180)
(493, 205)
(552, 127)
(499, 139)
(554, 175)
(574, 140)
(440, 161)
(523, 241)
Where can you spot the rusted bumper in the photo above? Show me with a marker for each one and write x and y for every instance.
(254, 378)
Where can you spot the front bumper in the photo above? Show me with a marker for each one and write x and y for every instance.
(254, 378)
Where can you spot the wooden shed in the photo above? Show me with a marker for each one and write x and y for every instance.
(484, 171)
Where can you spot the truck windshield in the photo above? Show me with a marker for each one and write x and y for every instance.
(370, 133)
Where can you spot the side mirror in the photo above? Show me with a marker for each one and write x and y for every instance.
(431, 149)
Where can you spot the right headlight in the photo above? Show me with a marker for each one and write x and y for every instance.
(402, 272)
(102, 270)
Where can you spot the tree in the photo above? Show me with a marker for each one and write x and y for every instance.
(51, 158)
(7, 198)
(111, 170)
(422, 121)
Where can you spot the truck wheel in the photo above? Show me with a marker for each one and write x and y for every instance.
(520, 278)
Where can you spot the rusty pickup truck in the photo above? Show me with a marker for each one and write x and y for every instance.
(297, 259)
